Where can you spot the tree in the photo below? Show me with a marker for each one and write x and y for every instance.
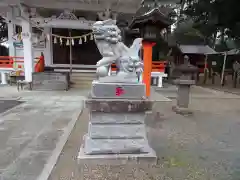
(186, 31)
(215, 17)
(3, 30)
(204, 19)
(186, 34)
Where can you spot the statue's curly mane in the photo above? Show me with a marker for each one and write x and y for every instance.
(107, 31)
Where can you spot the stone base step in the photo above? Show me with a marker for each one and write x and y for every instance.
(117, 118)
(115, 146)
(119, 105)
(113, 131)
(116, 159)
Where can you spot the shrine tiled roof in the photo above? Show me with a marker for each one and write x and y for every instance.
(196, 49)
(157, 15)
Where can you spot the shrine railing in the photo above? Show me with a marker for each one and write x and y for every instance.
(158, 66)
(15, 64)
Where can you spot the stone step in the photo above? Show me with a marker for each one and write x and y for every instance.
(123, 131)
(115, 146)
(117, 118)
(82, 80)
(81, 86)
(79, 80)
(84, 74)
(83, 77)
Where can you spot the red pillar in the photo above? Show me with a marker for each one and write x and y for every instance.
(147, 60)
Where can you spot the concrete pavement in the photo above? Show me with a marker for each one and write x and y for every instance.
(33, 133)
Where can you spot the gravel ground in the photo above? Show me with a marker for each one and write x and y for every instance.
(204, 146)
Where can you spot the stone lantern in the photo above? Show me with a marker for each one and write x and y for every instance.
(150, 21)
(127, 34)
(184, 84)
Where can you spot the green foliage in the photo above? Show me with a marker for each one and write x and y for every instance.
(187, 34)
(212, 17)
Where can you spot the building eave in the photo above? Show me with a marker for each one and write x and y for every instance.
(129, 7)
(152, 15)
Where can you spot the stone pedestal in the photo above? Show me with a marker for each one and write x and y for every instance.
(117, 90)
(183, 96)
(116, 137)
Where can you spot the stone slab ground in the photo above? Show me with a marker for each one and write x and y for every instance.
(33, 133)
(8, 104)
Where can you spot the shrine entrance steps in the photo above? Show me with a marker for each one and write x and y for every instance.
(80, 77)
(82, 80)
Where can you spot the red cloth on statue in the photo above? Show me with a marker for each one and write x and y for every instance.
(39, 67)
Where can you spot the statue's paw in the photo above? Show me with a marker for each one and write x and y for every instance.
(98, 64)
(138, 64)
(139, 70)
(102, 71)
(107, 53)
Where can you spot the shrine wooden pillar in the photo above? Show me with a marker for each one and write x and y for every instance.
(147, 60)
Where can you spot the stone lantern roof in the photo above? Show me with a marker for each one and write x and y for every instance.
(149, 12)
(186, 68)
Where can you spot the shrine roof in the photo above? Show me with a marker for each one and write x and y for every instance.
(157, 15)
(196, 49)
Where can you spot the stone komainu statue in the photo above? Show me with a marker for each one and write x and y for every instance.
(108, 40)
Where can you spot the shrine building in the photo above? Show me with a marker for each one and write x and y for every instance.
(60, 30)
